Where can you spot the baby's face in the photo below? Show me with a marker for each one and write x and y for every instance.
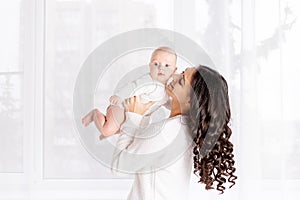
(162, 66)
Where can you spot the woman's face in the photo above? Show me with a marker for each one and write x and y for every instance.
(179, 89)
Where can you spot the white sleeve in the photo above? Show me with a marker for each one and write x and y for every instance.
(133, 123)
(139, 153)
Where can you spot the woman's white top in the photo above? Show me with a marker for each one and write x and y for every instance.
(160, 156)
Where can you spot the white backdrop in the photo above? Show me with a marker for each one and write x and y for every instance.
(254, 44)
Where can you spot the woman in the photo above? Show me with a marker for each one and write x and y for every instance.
(161, 155)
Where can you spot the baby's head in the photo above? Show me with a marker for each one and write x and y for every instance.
(162, 64)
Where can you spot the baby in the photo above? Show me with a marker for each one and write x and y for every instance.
(150, 88)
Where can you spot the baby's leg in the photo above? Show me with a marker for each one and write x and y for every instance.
(86, 120)
(114, 118)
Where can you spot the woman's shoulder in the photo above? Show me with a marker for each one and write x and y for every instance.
(176, 123)
(178, 118)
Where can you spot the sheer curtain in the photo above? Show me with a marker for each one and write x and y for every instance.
(254, 44)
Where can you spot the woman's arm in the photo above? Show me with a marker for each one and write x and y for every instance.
(141, 148)
(135, 122)
(150, 148)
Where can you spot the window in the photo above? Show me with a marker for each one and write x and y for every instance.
(11, 87)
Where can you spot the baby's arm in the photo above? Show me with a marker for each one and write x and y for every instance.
(115, 100)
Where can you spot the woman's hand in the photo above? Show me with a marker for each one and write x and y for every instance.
(133, 104)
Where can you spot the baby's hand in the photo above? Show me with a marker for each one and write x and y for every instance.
(115, 100)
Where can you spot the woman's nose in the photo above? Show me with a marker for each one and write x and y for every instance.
(176, 77)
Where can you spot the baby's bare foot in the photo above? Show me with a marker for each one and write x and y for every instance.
(86, 120)
(101, 137)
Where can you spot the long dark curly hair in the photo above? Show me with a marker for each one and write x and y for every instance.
(209, 117)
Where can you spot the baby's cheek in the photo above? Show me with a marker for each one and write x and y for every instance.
(153, 70)
(169, 72)
(152, 73)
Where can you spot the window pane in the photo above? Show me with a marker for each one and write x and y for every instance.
(268, 87)
(10, 36)
(11, 86)
(278, 81)
(290, 96)
(11, 123)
